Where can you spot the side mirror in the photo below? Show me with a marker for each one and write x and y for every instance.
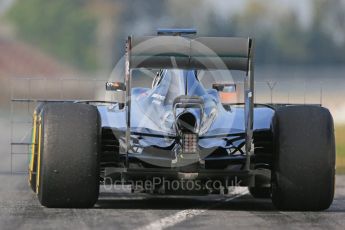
(227, 92)
(226, 87)
(115, 86)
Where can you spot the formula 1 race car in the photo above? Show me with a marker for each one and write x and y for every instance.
(181, 131)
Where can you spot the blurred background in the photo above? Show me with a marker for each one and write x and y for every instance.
(67, 49)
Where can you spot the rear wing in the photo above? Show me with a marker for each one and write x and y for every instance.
(164, 52)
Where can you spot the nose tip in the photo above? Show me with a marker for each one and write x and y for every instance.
(187, 122)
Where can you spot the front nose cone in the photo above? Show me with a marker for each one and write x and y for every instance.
(186, 122)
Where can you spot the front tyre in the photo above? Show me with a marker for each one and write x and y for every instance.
(68, 156)
(34, 147)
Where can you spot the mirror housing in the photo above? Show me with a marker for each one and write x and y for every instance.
(115, 86)
(224, 87)
(226, 91)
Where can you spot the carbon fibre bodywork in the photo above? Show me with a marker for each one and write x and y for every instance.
(154, 139)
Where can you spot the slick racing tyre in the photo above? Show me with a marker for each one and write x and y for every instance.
(68, 155)
(304, 158)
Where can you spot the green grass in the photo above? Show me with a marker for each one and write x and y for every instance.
(340, 147)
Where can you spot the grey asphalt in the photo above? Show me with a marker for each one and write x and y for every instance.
(20, 209)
